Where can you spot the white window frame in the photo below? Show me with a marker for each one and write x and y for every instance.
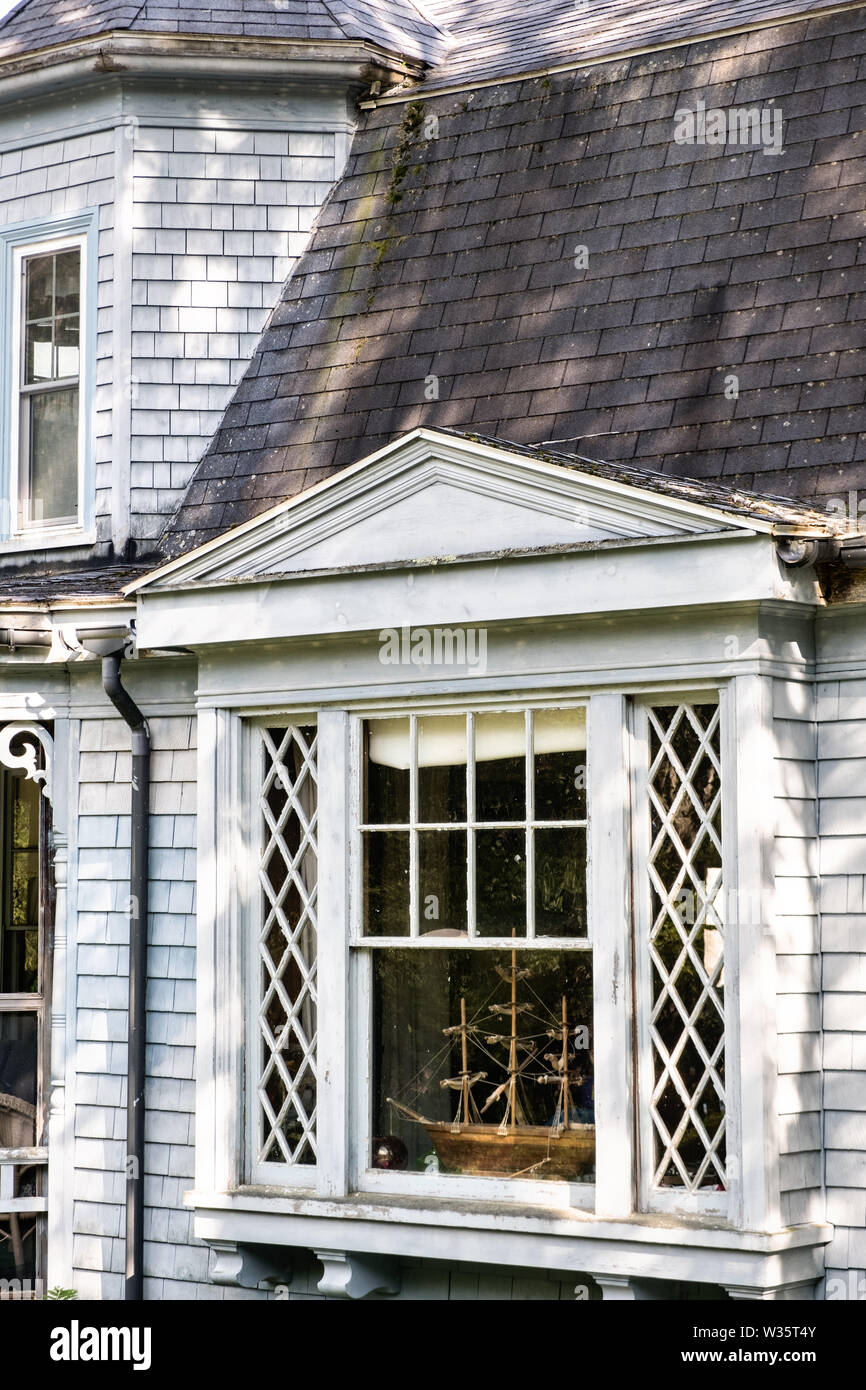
(17, 243)
(442, 1186)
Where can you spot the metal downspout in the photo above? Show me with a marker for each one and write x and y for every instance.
(109, 644)
(138, 895)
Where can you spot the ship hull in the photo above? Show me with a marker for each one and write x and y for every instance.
(534, 1151)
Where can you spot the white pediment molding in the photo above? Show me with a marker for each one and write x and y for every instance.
(431, 495)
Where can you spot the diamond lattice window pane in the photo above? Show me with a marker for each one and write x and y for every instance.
(686, 948)
(288, 874)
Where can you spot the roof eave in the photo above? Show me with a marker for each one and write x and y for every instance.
(199, 55)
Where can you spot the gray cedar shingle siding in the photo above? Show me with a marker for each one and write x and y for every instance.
(453, 256)
(395, 25)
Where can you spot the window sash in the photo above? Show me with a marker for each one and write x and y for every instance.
(22, 393)
(442, 1186)
(529, 824)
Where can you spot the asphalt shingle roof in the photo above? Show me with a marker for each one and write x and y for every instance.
(714, 331)
(497, 38)
(396, 25)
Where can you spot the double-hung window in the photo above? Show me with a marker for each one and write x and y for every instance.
(47, 380)
(472, 948)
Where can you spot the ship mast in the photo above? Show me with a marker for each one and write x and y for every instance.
(467, 1110)
(465, 1094)
(564, 1065)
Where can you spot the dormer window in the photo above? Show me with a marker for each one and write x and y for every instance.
(47, 290)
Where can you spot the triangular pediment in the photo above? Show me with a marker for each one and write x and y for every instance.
(433, 495)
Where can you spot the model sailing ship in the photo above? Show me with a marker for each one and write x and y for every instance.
(513, 1147)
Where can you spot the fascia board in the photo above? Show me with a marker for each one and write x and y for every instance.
(682, 573)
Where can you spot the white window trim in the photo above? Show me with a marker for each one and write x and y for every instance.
(17, 242)
(230, 1206)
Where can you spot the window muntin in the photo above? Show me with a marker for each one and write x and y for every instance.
(285, 1083)
(476, 823)
(47, 421)
(685, 948)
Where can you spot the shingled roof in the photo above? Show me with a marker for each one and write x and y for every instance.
(497, 38)
(397, 26)
(716, 330)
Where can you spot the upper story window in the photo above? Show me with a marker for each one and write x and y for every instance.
(48, 385)
(48, 289)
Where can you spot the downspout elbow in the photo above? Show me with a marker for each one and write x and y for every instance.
(124, 703)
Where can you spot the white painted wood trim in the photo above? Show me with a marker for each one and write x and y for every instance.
(121, 333)
(610, 930)
(210, 926)
(61, 1113)
(750, 994)
(335, 779)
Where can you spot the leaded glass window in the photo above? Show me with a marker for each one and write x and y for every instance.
(686, 947)
(287, 1080)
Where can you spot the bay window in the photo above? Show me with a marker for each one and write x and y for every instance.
(465, 1051)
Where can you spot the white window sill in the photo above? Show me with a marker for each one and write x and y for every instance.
(53, 539)
(690, 1249)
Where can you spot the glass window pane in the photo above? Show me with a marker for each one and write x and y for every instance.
(67, 281)
(483, 1063)
(18, 1061)
(51, 484)
(500, 876)
(37, 351)
(39, 287)
(559, 738)
(442, 769)
(386, 883)
(560, 882)
(500, 767)
(442, 880)
(442, 794)
(66, 346)
(387, 773)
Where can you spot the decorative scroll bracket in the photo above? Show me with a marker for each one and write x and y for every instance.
(348, 1275)
(33, 734)
(248, 1267)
